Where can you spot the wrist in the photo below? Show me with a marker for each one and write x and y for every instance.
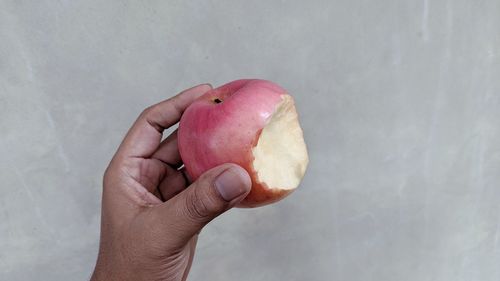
(102, 272)
(96, 276)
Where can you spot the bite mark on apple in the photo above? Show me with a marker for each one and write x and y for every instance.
(280, 156)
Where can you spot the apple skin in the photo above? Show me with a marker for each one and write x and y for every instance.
(211, 133)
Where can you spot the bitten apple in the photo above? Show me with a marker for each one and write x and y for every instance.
(252, 123)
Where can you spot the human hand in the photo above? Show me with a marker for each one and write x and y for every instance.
(150, 216)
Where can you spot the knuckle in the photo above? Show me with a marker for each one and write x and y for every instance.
(196, 208)
(147, 111)
(199, 207)
(108, 175)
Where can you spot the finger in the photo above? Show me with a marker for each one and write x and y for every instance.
(150, 173)
(172, 184)
(212, 194)
(168, 152)
(145, 135)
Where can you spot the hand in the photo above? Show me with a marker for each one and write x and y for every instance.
(150, 220)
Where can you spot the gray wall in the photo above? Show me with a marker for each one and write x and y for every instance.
(399, 100)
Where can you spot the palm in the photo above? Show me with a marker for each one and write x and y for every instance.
(163, 181)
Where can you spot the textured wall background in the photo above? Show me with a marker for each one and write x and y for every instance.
(400, 102)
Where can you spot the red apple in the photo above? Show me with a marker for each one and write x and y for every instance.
(252, 123)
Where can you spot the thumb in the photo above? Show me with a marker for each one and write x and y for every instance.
(215, 192)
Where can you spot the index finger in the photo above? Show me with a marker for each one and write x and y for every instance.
(144, 136)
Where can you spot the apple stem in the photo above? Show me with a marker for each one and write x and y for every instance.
(217, 100)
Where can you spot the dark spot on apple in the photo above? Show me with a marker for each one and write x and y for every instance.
(217, 100)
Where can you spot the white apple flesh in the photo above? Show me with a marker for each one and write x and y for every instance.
(252, 123)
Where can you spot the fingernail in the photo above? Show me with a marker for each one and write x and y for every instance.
(232, 183)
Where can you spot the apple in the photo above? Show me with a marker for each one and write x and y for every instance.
(252, 123)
